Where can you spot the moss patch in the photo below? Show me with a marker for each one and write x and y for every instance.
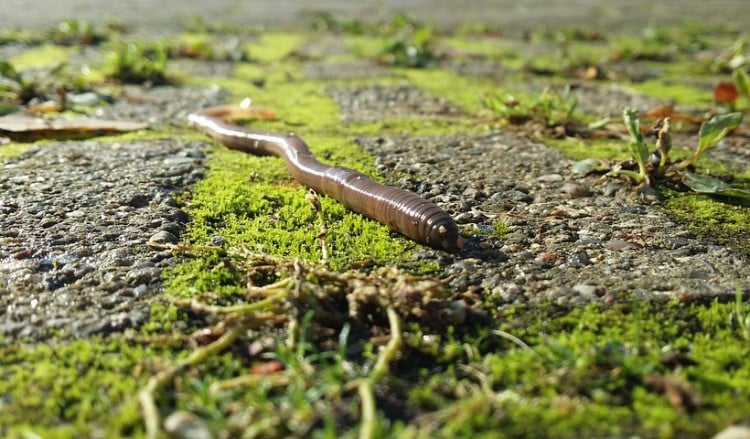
(45, 55)
(713, 218)
(63, 389)
(592, 372)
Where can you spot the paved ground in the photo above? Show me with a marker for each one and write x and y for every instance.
(572, 240)
(506, 13)
(85, 226)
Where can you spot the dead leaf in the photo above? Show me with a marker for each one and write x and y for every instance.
(726, 93)
(669, 111)
(677, 390)
(268, 367)
(25, 128)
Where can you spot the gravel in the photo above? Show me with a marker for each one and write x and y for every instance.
(569, 240)
(74, 228)
(373, 103)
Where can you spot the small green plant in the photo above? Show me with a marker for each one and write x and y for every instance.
(134, 63)
(657, 165)
(732, 58)
(17, 88)
(742, 82)
(412, 48)
(741, 315)
(71, 32)
(552, 108)
(13, 87)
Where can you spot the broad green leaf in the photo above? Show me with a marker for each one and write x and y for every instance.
(709, 185)
(742, 81)
(8, 71)
(716, 128)
(633, 124)
(638, 148)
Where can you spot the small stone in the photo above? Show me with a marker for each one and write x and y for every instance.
(549, 178)
(217, 241)
(140, 290)
(618, 244)
(547, 258)
(734, 432)
(186, 425)
(580, 259)
(589, 291)
(161, 239)
(574, 190)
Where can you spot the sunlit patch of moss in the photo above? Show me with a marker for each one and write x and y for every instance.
(273, 46)
(463, 91)
(72, 387)
(12, 150)
(45, 55)
(580, 149)
(587, 372)
(493, 48)
(713, 218)
(500, 230)
(269, 213)
(672, 90)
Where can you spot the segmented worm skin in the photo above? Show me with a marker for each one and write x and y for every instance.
(403, 211)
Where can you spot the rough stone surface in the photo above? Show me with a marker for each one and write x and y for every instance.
(569, 250)
(367, 104)
(75, 218)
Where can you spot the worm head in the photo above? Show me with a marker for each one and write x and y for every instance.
(446, 237)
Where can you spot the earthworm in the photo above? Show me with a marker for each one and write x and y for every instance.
(401, 210)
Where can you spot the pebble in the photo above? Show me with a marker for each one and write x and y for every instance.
(574, 190)
(734, 432)
(186, 425)
(161, 238)
(589, 291)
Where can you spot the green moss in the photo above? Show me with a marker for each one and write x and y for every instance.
(672, 90)
(12, 150)
(466, 92)
(270, 214)
(71, 387)
(500, 230)
(589, 373)
(45, 55)
(580, 149)
(713, 218)
(273, 46)
(493, 48)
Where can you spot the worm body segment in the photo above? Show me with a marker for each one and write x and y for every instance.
(401, 210)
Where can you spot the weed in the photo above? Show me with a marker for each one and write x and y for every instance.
(741, 315)
(552, 109)
(657, 166)
(134, 63)
(414, 47)
(71, 32)
(18, 88)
